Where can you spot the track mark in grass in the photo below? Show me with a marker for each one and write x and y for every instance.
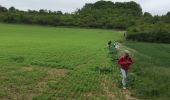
(18, 59)
(109, 95)
(19, 82)
(25, 69)
(75, 86)
(128, 96)
(52, 74)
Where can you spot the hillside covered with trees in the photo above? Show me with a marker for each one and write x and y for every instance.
(102, 14)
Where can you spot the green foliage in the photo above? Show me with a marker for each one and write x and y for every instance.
(3, 9)
(159, 33)
(102, 14)
(147, 14)
(106, 14)
(12, 9)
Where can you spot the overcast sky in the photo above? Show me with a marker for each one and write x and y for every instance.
(156, 7)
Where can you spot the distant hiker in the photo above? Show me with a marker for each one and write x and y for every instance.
(125, 61)
(109, 44)
(125, 36)
(116, 45)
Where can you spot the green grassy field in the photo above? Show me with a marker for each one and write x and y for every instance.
(54, 63)
(46, 63)
(150, 75)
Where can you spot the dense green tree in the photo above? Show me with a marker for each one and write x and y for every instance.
(3, 9)
(12, 9)
(166, 18)
(43, 11)
(147, 14)
(106, 14)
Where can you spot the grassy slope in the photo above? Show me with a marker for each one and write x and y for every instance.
(29, 56)
(150, 76)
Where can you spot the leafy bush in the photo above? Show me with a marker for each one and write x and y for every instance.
(159, 33)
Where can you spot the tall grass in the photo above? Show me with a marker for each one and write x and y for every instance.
(150, 76)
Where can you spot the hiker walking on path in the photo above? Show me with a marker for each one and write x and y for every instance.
(116, 46)
(125, 61)
(125, 36)
(109, 43)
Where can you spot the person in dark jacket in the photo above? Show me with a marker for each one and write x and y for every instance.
(109, 43)
(125, 61)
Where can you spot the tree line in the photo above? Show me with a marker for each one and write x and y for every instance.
(101, 14)
(151, 29)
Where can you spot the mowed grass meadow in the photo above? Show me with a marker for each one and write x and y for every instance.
(43, 63)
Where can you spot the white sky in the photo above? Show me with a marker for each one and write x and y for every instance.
(156, 7)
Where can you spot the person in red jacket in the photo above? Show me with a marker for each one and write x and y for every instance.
(125, 61)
